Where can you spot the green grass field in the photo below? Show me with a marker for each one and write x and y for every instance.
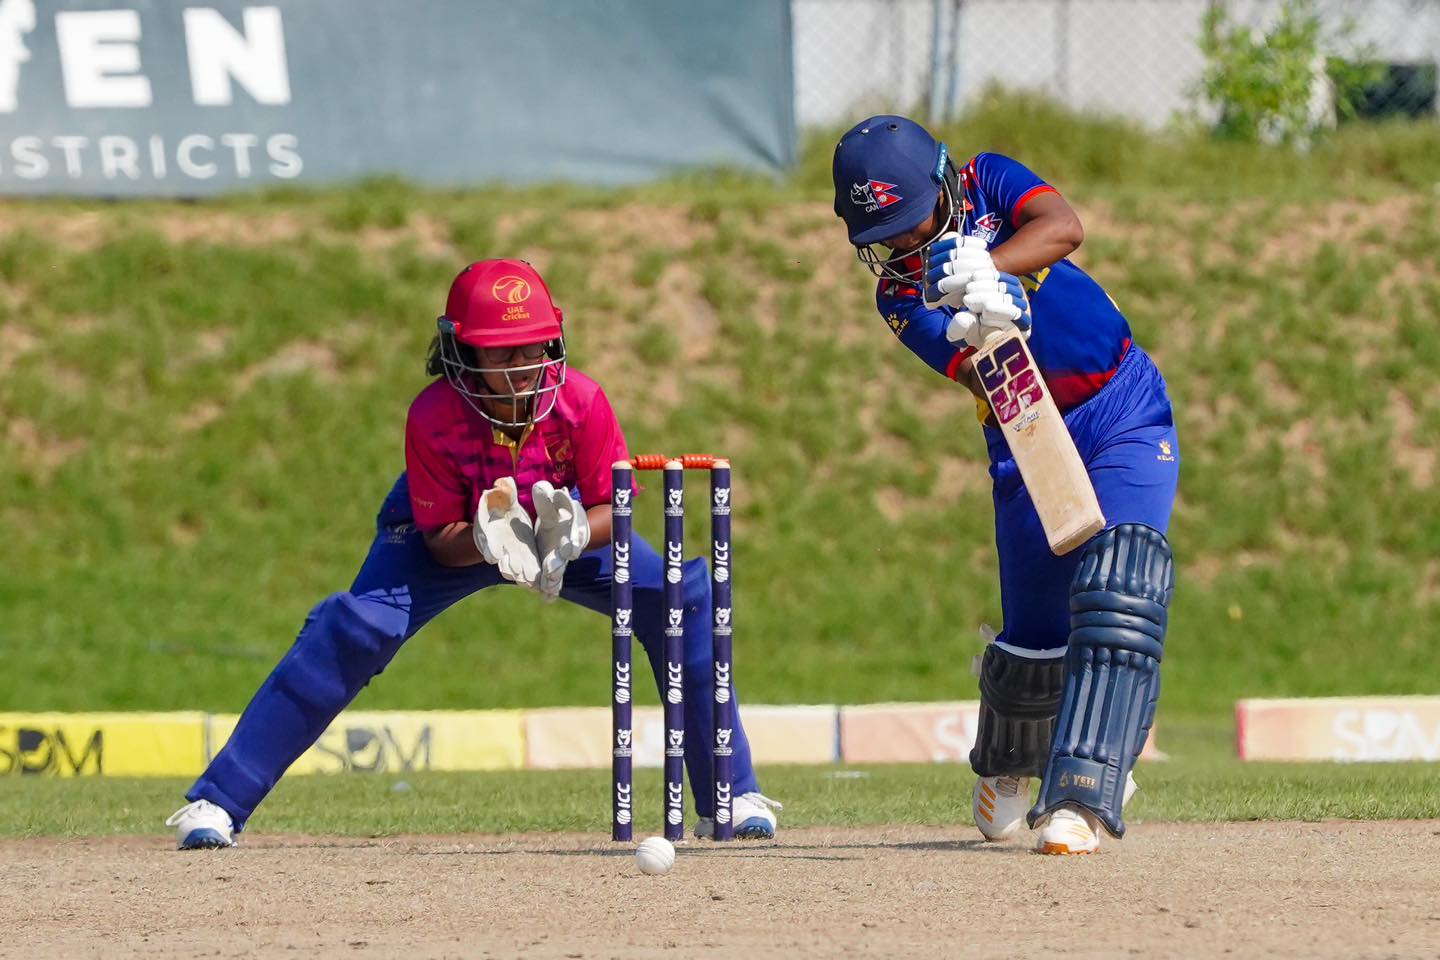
(204, 406)
(1201, 781)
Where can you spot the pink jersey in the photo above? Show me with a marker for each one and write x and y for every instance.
(452, 454)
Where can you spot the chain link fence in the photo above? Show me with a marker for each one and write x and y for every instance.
(1136, 58)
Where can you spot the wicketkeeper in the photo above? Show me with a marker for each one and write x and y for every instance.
(508, 481)
(1068, 688)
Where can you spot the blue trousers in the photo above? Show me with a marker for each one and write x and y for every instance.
(1126, 436)
(350, 637)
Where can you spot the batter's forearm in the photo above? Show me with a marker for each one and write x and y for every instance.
(969, 379)
(1049, 231)
(1037, 245)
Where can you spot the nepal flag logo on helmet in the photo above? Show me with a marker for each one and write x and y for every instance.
(873, 195)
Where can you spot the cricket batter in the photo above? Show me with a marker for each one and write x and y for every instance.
(508, 456)
(1068, 688)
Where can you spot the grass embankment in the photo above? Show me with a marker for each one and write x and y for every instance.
(204, 405)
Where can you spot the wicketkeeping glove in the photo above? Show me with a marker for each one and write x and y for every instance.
(994, 302)
(561, 532)
(504, 535)
(953, 263)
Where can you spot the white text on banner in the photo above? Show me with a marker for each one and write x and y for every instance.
(1339, 728)
(919, 733)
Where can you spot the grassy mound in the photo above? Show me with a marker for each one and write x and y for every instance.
(203, 406)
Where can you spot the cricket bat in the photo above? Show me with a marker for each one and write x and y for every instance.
(1039, 441)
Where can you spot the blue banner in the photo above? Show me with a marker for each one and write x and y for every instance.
(161, 98)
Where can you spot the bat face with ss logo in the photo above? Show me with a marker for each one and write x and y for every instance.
(1040, 443)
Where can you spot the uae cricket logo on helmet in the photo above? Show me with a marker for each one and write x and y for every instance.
(511, 289)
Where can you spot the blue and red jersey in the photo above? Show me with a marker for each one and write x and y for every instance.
(1079, 336)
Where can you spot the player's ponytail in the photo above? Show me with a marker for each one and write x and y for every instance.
(435, 356)
(434, 367)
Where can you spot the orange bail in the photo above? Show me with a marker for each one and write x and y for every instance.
(690, 461)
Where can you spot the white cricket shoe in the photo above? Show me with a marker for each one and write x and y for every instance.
(1068, 831)
(999, 805)
(201, 826)
(751, 814)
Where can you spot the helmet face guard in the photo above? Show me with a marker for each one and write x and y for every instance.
(466, 373)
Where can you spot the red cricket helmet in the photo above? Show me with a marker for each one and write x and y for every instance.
(494, 304)
(502, 303)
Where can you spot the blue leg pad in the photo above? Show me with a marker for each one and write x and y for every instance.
(1118, 604)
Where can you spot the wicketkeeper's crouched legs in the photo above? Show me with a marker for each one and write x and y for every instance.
(346, 640)
(1118, 615)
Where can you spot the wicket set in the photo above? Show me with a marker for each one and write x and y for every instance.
(621, 634)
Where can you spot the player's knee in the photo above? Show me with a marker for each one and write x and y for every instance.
(367, 623)
(1121, 591)
(346, 641)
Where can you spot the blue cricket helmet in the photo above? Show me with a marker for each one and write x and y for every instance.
(887, 170)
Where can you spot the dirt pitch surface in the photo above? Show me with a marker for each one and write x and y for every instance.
(1196, 890)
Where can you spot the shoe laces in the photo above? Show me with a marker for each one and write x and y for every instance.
(1007, 786)
(198, 807)
(1074, 820)
(759, 799)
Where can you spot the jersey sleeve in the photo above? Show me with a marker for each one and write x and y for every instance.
(437, 489)
(1008, 184)
(920, 328)
(599, 444)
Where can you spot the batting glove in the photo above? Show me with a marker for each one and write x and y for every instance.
(953, 263)
(994, 303)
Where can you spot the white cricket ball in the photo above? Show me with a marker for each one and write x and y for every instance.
(655, 856)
